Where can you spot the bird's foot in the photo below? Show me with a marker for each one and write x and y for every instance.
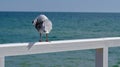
(46, 40)
(40, 40)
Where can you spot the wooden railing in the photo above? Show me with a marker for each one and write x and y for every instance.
(101, 46)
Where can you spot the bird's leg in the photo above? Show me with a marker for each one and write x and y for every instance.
(40, 38)
(46, 37)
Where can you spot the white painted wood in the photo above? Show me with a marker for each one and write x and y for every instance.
(105, 56)
(2, 62)
(102, 57)
(99, 57)
(100, 44)
(46, 47)
(56, 46)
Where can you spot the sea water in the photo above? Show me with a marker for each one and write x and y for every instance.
(17, 27)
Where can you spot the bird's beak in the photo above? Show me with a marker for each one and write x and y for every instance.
(33, 23)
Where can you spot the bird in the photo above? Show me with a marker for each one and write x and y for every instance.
(43, 25)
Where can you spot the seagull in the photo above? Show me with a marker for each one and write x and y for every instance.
(43, 25)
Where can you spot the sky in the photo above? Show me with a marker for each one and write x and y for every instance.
(61, 5)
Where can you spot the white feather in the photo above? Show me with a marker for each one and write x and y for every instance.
(46, 26)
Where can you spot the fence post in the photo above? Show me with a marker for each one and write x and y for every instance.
(99, 57)
(105, 57)
(102, 57)
(2, 62)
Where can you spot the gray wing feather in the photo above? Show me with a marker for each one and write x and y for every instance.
(47, 26)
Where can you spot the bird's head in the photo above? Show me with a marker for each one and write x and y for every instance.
(40, 18)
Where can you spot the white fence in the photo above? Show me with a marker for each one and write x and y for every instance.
(100, 44)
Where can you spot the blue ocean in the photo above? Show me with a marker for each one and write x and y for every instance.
(16, 27)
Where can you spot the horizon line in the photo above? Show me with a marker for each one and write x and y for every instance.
(66, 11)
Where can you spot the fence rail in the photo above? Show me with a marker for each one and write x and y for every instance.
(101, 46)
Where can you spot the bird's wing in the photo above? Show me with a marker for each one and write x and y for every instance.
(47, 26)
